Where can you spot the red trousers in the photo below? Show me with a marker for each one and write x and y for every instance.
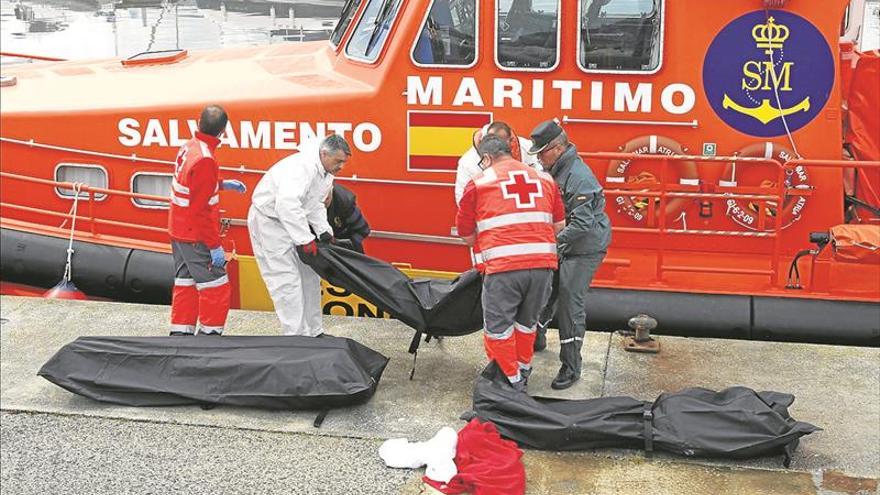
(201, 294)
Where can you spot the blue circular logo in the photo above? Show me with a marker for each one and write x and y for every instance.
(763, 71)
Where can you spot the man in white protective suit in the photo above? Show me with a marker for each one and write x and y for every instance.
(289, 200)
(469, 163)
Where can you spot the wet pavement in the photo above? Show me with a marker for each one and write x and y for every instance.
(56, 442)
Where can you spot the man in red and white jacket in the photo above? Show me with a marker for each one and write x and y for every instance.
(201, 287)
(512, 213)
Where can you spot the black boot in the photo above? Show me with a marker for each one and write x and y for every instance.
(525, 374)
(565, 378)
(540, 339)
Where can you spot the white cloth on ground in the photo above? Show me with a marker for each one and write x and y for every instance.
(438, 454)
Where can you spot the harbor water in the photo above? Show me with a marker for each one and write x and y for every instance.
(81, 29)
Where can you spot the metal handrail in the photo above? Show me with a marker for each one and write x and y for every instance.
(660, 191)
(654, 190)
(90, 194)
(85, 187)
(94, 221)
(131, 158)
(662, 194)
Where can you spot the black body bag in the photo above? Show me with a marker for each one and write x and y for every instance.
(283, 372)
(735, 423)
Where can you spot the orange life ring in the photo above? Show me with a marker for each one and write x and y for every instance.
(745, 212)
(619, 172)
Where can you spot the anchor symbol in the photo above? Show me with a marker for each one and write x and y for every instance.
(765, 112)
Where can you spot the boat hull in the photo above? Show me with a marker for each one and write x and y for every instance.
(137, 275)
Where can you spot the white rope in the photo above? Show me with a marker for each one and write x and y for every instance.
(683, 218)
(778, 100)
(68, 272)
(69, 212)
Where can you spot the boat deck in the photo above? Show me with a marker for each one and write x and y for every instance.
(56, 442)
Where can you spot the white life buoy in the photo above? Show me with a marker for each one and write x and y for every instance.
(745, 212)
(620, 172)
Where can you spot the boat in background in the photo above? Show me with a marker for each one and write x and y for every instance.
(301, 8)
(716, 128)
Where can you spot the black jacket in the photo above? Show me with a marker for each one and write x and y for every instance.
(346, 219)
(587, 227)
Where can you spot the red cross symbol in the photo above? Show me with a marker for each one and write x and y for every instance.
(522, 189)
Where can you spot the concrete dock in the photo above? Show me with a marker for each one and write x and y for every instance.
(55, 442)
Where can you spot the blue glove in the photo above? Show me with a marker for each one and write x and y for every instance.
(233, 185)
(218, 257)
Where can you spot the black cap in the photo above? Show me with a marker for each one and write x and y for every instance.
(542, 135)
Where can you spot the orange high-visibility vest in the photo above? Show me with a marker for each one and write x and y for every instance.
(512, 209)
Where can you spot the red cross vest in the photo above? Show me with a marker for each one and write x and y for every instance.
(194, 215)
(516, 207)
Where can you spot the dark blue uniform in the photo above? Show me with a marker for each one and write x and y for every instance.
(346, 219)
(582, 245)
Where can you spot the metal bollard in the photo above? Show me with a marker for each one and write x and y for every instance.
(642, 340)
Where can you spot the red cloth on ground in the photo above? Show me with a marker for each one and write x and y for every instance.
(487, 464)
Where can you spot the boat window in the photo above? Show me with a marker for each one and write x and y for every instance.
(151, 183)
(621, 35)
(371, 30)
(527, 34)
(90, 175)
(348, 11)
(448, 35)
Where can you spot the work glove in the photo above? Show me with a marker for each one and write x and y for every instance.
(218, 257)
(327, 237)
(310, 249)
(233, 185)
(308, 253)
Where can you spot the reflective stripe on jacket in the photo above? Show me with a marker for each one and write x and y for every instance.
(512, 208)
(194, 214)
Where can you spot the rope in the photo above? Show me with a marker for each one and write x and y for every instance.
(68, 272)
(69, 212)
(156, 26)
(684, 221)
(778, 100)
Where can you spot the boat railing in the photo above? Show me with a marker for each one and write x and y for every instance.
(660, 191)
(89, 192)
(133, 157)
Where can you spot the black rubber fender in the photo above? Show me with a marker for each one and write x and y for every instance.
(131, 275)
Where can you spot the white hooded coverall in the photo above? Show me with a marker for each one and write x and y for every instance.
(287, 200)
(469, 166)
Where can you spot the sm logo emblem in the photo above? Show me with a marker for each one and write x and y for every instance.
(763, 72)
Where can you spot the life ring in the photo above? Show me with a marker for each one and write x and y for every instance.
(745, 212)
(619, 172)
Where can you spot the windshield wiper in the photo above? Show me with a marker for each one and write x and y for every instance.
(344, 21)
(377, 24)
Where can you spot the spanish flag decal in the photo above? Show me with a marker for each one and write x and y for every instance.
(438, 139)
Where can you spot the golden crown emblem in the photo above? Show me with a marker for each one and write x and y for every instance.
(770, 35)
